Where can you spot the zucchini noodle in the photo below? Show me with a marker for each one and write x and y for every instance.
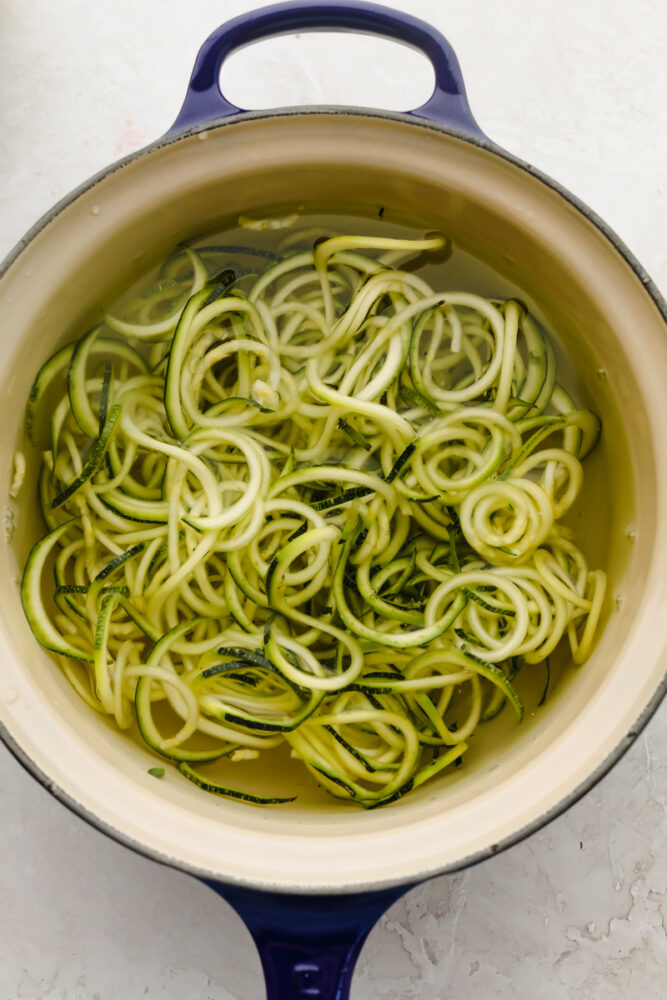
(309, 500)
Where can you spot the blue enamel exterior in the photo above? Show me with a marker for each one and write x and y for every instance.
(308, 944)
(205, 102)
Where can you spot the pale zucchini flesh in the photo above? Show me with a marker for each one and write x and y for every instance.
(306, 498)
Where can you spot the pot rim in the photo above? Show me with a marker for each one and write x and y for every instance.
(651, 707)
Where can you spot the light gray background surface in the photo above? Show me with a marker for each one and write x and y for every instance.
(578, 88)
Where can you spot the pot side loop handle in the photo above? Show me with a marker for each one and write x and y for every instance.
(308, 945)
(204, 101)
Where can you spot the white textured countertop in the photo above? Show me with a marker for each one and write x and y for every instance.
(576, 87)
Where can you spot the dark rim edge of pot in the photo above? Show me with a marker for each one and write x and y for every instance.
(640, 723)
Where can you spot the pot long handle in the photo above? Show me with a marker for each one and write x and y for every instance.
(204, 101)
(308, 945)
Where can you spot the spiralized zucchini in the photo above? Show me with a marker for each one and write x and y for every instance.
(309, 499)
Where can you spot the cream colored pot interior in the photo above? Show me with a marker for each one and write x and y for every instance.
(615, 336)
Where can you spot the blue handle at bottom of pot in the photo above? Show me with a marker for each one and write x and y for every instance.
(308, 945)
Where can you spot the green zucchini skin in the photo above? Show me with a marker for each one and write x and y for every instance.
(31, 596)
